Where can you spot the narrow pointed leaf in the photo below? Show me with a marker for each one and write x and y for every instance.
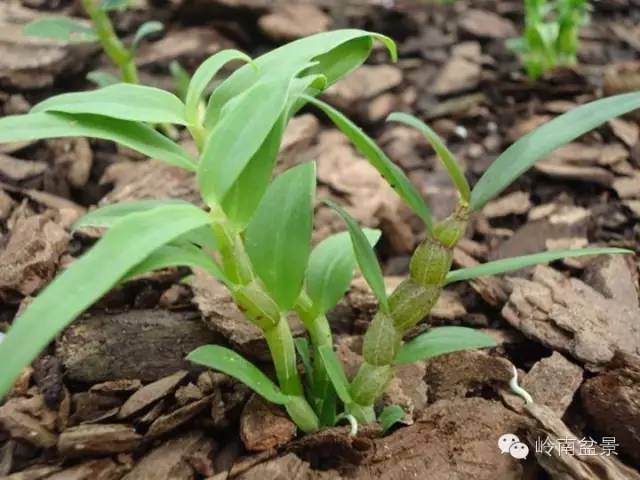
(333, 54)
(330, 269)
(516, 263)
(441, 340)
(181, 255)
(372, 152)
(336, 373)
(229, 362)
(365, 256)
(444, 154)
(243, 198)
(144, 139)
(244, 126)
(107, 216)
(181, 79)
(278, 237)
(536, 145)
(302, 347)
(102, 79)
(108, 5)
(61, 29)
(123, 101)
(389, 416)
(204, 75)
(146, 29)
(87, 279)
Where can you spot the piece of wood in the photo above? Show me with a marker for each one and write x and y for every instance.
(139, 344)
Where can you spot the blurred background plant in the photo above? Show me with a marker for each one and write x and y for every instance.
(551, 34)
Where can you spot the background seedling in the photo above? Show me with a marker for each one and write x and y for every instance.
(551, 34)
(255, 236)
(102, 30)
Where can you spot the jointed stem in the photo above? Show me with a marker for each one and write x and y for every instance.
(263, 311)
(412, 300)
(115, 49)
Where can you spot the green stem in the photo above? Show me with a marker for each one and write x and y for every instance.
(280, 342)
(263, 311)
(410, 302)
(320, 334)
(114, 48)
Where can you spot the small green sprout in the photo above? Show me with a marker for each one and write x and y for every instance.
(551, 34)
(68, 30)
(255, 234)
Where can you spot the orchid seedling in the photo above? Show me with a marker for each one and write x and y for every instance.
(69, 30)
(551, 34)
(255, 234)
(430, 271)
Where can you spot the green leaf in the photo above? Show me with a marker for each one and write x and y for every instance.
(243, 128)
(102, 79)
(87, 279)
(333, 54)
(144, 139)
(278, 237)
(302, 347)
(123, 101)
(445, 155)
(107, 216)
(536, 145)
(389, 416)
(243, 198)
(365, 256)
(330, 269)
(183, 255)
(367, 147)
(229, 362)
(61, 29)
(203, 76)
(108, 5)
(144, 30)
(441, 340)
(241, 201)
(336, 373)
(181, 79)
(516, 263)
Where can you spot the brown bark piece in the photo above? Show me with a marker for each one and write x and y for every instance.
(580, 465)
(103, 469)
(142, 344)
(150, 394)
(31, 256)
(264, 426)
(170, 461)
(611, 400)
(171, 421)
(98, 440)
(290, 22)
(570, 316)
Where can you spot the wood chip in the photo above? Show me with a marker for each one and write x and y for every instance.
(177, 418)
(516, 203)
(570, 316)
(290, 22)
(151, 393)
(264, 426)
(98, 440)
(627, 131)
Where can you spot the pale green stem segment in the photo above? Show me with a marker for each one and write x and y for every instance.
(258, 306)
(320, 334)
(410, 302)
(114, 48)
